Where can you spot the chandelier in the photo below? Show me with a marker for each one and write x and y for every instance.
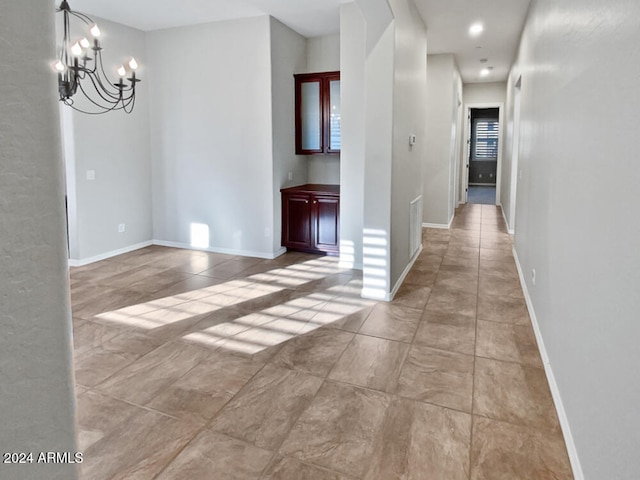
(78, 71)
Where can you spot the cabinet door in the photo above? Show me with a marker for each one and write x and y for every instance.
(326, 222)
(296, 221)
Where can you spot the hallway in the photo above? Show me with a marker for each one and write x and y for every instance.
(194, 365)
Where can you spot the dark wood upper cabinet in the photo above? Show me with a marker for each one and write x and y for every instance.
(318, 113)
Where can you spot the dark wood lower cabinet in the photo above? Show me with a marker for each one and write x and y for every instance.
(311, 218)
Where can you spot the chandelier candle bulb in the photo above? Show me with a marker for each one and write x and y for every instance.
(133, 65)
(84, 43)
(95, 31)
(76, 49)
(121, 71)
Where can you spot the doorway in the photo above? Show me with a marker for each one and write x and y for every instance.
(483, 155)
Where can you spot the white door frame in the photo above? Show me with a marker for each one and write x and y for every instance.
(467, 145)
(515, 153)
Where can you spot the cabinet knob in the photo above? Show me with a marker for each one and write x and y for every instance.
(306, 201)
(315, 201)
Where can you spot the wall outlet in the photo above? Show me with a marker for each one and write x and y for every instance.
(91, 174)
(290, 175)
(121, 227)
(533, 276)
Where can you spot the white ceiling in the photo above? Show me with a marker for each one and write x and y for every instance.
(447, 22)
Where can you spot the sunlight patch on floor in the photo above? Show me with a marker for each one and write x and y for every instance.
(256, 331)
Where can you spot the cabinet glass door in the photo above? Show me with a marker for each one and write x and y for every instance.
(311, 116)
(334, 116)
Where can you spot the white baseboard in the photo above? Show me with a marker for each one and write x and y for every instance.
(104, 256)
(162, 243)
(227, 251)
(444, 226)
(398, 284)
(510, 230)
(553, 386)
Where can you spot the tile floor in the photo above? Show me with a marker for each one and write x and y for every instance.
(193, 365)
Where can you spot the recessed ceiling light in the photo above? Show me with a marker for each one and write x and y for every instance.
(484, 72)
(476, 29)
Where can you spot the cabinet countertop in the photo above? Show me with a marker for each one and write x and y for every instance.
(314, 188)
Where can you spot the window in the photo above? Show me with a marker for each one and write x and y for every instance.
(317, 113)
(485, 134)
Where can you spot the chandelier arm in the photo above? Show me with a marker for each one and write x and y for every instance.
(111, 105)
(69, 103)
(131, 101)
(102, 93)
(104, 74)
(102, 90)
(81, 16)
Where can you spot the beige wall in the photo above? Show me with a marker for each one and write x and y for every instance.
(36, 378)
(576, 220)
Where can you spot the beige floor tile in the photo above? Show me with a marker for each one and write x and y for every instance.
(438, 377)
(498, 308)
(419, 441)
(212, 455)
(501, 451)
(142, 350)
(463, 281)
(471, 253)
(456, 333)
(289, 468)
(371, 362)
(412, 296)
(103, 300)
(513, 393)
(499, 285)
(88, 333)
(427, 261)
(503, 341)
(138, 449)
(434, 247)
(446, 300)
(350, 322)
(193, 282)
(393, 322)
(469, 241)
(315, 353)
(505, 268)
(97, 364)
(338, 429)
(144, 379)
(206, 388)
(496, 254)
(421, 277)
(265, 409)
(98, 415)
(459, 264)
